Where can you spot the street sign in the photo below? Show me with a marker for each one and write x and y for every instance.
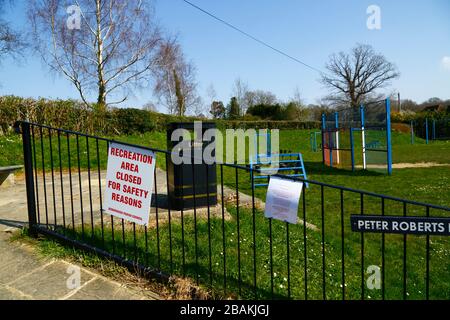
(400, 225)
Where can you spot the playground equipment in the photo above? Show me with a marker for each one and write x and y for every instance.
(358, 137)
(430, 129)
(268, 163)
(313, 138)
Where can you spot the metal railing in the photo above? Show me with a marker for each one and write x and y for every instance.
(232, 249)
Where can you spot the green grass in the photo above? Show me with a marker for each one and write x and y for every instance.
(429, 185)
(168, 253)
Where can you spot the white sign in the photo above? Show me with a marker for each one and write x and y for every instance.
(129, 183)
(282, 199)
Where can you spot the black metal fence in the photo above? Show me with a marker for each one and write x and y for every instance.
(231, 249)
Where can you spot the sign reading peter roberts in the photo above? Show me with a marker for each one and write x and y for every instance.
(401, 225)
(129, 182)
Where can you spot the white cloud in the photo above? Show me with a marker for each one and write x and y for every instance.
(446, 63)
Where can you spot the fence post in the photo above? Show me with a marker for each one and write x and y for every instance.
(352, 148)
(388, 133)
(412, 132)
(434, 130)
(426, 129)
(323, 137)
(363, 136)
(336, 121)
(28, 165)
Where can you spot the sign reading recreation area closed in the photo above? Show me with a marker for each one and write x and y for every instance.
(401, 225)
(129, 182)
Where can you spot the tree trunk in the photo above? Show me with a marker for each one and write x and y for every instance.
(179, 94)
(101, 100)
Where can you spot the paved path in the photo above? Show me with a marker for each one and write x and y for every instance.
(25, 275)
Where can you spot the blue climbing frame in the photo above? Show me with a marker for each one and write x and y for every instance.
(289, 164)
(343, 148)
(265, 164)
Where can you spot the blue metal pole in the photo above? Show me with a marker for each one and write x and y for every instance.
(412, 132)
(331, 149)
(336, 120)
(388, 132)
(323, 137)
(426, 129)
(363, 136)
(336, 137)
(434, 129)
(352, 148)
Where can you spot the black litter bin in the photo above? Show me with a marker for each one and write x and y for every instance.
(187, 179)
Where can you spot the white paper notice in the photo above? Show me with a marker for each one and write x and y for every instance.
(282, 199)
(129, 183)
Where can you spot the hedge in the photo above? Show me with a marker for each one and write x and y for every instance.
(267, 124)
(76, 116)
(419, 116)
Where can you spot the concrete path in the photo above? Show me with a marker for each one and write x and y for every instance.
(25, 275)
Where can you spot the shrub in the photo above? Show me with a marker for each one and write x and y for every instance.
(129, 121)
(268, 124)
(265, 111)
(76, 116)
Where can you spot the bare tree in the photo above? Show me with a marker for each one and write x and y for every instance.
(201, 108)
(297, 98)
(211, 92)
(100, 46)
(295, 108)
(11, 42)
(354, 77)
(175, 84)
(256, 97)
(240, 91)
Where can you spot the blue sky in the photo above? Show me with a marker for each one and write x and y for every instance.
(415, 35)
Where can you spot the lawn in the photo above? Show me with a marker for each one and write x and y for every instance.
(204, 253)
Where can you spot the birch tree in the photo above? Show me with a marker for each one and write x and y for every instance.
(11, 41)
(105, 48)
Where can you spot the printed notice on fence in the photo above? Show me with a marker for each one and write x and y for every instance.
(282, 199)
(129, 183)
